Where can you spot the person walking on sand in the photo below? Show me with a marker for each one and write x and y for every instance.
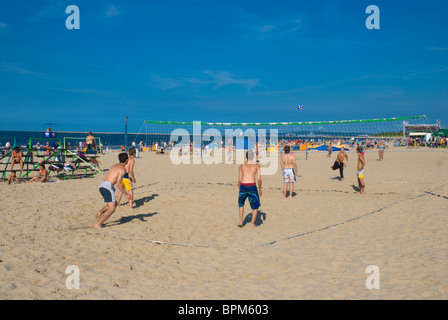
(114, 177)
(289, 168)
(381, 151)
(360, 170)
(129, 178)
(248, 172)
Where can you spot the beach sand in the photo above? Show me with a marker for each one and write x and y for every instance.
(181, 241)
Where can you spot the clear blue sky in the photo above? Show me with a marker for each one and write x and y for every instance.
(219, 61)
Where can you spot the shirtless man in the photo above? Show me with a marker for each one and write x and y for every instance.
(289, 168)
(114, 177)
(129, 178)
(248, 188)
(360, 170)
(16, 157)
(339, 163)
(42, 175)
(91, 142)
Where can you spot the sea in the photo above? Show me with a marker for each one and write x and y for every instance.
(107, 139)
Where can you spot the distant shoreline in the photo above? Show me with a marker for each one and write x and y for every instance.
(94, 132)
(80, 132)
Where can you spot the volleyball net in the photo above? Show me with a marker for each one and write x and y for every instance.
(292, 133)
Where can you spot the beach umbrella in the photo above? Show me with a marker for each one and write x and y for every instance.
(441, 133)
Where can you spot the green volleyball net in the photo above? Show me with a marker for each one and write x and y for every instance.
(291, 133)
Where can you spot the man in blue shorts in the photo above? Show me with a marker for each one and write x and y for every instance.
(248, 188)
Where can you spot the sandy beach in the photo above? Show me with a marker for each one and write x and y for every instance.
(181, 241)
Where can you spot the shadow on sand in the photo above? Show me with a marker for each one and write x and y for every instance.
(127, 219)
(140, 202)
(261, 216)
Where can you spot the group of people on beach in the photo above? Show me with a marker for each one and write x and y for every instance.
(16, 158)
(249, 172)
(341, 160)
(122, 176)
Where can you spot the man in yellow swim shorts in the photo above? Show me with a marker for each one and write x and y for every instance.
(360, 171)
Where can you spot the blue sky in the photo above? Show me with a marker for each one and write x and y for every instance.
(219, 61)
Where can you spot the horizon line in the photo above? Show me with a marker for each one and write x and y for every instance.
(84, 132)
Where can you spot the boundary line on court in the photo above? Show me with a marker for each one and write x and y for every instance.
(431, 192)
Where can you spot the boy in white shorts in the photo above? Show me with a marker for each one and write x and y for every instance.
(289, 168)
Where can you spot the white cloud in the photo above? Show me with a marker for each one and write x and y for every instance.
(276, 29)
(217, 79)
(430, 71)
(438, 48)
(86, 91)
(4, 26)
(20, 70)
(112, 11)
(267, 28)
(223, 78)
(166, 83)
